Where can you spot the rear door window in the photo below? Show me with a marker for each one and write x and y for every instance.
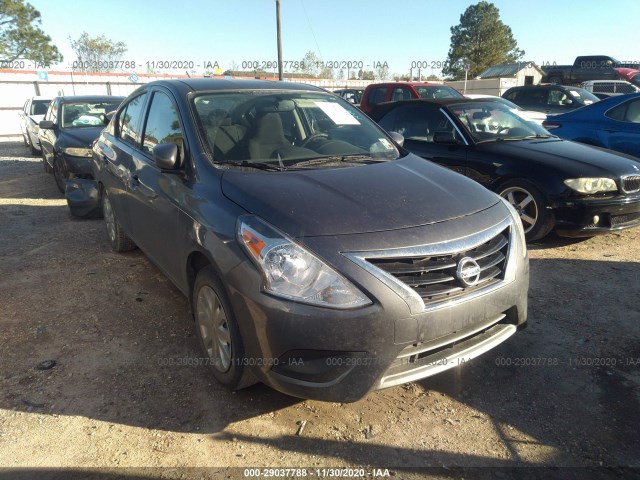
(377, 95)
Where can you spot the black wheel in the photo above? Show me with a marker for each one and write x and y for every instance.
(555, 80)
(120, 242)
(530, 204)
(60, 173)
(47, 168)
(218, 333)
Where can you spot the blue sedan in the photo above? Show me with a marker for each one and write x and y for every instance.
(613, 123)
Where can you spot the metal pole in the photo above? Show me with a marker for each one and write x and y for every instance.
(279, 40)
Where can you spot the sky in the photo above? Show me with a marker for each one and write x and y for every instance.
(363, 32)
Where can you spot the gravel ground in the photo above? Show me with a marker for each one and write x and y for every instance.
(562, 393)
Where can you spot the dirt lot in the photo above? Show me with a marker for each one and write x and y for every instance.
(564, 392)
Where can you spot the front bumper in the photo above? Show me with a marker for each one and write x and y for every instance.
(83, 197)
(341, 355)
(577, 218)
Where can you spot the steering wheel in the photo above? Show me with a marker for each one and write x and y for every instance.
(312, 138)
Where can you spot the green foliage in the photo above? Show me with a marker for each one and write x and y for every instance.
(480, 41)
(97, 54)
(21, 35)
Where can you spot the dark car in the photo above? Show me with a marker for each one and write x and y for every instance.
(550, 98)
(578, 189)
(318, 257)
(70, 126)
(351, 95)
(394, 91)
(613, 123)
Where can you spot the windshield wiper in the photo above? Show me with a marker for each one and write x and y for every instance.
(258, 165)
(539, 136)
(355, 158)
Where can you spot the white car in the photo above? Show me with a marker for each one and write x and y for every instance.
(30, 116)
(537, 117)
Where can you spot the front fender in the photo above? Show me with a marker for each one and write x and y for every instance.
(83, 197)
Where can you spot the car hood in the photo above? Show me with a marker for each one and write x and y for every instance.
(575, 159)
(79, 137)
(365, 198)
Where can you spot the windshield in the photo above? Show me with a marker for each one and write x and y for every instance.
(287, 127)
(492, 121)
(437, 91)
(87, 114)
(578, 95)
(39, 107)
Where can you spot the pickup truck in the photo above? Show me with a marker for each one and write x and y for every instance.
(587, 67)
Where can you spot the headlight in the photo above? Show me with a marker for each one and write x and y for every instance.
(292, 272)
(591, 185)
(78, 152)
(518, 225)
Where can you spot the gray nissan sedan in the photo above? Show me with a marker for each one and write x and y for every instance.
(320, 257)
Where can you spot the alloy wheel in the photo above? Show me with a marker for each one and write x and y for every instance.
(109, 218)
(213, 327)
(525, 205)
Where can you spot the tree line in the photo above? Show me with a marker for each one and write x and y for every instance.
(479, 41)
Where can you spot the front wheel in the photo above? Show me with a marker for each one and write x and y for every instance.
(531, 206)
(120, 241)
(218, 333)
(60, 173)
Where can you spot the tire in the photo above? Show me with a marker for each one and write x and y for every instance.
(34, 152)
(47, 168)
(531, 205)
(120, 241)
(60, 173)
(555, 80)
(217, 331)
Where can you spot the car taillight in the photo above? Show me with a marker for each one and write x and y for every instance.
(550, 125)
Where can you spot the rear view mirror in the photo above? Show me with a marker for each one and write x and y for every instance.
(480, 115)
(270, 106)
(46, 124)
(445, 137)
(165, 155)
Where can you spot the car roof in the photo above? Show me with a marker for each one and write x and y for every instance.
(384, 107)
(413, 84)
(187, 85)
(88, 98)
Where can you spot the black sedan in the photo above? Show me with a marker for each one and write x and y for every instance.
(577, 189)
(70, 126)
(289, 219)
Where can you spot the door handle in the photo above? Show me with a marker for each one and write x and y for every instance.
(135, 181)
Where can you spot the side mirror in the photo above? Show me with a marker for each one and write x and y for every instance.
(399, 139)
(445, 137)
(165, 155)
(46, 124)
(107, 116)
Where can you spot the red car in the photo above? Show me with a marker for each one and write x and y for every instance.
(391, 91)
(631, 75)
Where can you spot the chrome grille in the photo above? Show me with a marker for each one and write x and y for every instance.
(631, 183)
(434, 278)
